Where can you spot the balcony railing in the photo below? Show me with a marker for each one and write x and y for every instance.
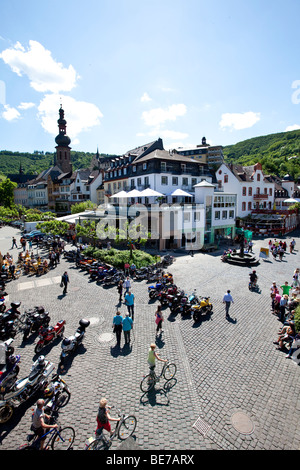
(260, 196)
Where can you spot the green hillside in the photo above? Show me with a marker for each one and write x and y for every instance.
(35, 163)
(279, 153)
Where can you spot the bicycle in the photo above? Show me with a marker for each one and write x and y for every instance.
(58, 439)
(168, 373)
(124, 429)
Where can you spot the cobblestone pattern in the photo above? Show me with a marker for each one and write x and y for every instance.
(223, 367)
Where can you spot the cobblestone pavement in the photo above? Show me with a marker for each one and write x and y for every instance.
(233, 389)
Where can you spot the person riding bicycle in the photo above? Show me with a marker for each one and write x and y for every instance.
(38, 421)
(152, 355)
(104, 418)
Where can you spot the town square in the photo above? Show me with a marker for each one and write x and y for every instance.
(231, 380)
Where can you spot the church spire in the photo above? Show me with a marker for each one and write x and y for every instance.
(63, 149)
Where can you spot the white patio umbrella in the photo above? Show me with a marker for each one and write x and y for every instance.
(120, 194)
(180, 192)
(148, 192)
(134, 193)
(292, 199)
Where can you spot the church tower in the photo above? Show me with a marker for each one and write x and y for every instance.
(63, 149)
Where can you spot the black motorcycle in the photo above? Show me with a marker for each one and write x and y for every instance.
(11, 314)
(71, 343)
(35, 318)
(7, 330)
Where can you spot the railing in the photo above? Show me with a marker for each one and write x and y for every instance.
(260, 196)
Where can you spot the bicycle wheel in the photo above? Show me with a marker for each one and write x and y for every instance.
(6, 413)
(170, 371)
(63, 439)
(127, 427)
(63, 399)
(98, 444)
(147, 383)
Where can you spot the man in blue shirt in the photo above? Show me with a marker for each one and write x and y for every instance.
(117, 325)
(129, 301)
(127, 324)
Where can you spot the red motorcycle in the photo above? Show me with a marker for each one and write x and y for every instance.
(47, 334)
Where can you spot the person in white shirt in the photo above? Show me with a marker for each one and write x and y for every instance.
(227, 300)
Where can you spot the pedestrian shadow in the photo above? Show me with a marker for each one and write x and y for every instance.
(231, 320)
(117, 350)
(159, 341)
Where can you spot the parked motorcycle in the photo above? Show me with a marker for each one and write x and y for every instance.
(166, 295)
(25, 388)
(56, 395)
(9, 367)
(154, 290)
(71, 343)
(11, 314)
(35, 318)
(184, 308)
(7, 330)
(176, 300)
(47, 334)
(205, 306)
(2, 301)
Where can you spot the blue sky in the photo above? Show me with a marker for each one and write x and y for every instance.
(128, 72)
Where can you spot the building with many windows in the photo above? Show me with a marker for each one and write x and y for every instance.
(253, 189)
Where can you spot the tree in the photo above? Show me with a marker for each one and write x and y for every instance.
(53, 227)
(88, 229)
(82, 206)
(7, 192)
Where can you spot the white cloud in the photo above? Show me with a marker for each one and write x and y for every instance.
(239, 121)
(10, 113)
(158, 116)
(145, 98)
(26, 105)
(37, 63)
(294, 127)
(80, 115)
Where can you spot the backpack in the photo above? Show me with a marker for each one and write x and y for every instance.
(102, 418)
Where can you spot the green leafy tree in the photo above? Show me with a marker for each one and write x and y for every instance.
(7, 192)
(82, 206)
(53, 227)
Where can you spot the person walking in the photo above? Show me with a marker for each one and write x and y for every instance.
(120, 290)
(127, 284)
(117, 326)
(14, 243)
(159, 319)
(227, 300)
(64, 282)
(127, 325)
(129, 301)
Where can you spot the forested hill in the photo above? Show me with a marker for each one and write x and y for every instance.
(33, 163)
(279, 153)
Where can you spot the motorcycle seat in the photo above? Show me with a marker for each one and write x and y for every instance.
(21, 383)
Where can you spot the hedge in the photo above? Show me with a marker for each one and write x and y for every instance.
(119, 258)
